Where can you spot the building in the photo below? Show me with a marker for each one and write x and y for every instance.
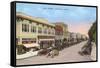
(76, 37)
(83, 37)
(34, 30)
(58, 32)
(61, 31)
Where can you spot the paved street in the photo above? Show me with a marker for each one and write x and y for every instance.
(67, 55)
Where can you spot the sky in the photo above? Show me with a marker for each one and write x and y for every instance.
(79, 19)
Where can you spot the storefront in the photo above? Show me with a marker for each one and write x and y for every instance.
(46, 41)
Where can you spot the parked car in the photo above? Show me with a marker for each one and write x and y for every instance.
(21, 49)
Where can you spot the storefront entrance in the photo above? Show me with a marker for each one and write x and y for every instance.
(46, 41)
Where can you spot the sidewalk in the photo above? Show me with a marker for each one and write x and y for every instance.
(26, 55)
(93, 53)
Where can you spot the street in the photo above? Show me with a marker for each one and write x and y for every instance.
(69, 54)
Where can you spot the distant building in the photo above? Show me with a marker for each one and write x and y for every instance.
(76, 37)
(84, 37)
(34, 30)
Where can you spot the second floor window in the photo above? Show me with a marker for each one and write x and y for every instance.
(39, 30)
(33, 28)
(45, 31)
(49, 31)
(25, 28)
(53, 31)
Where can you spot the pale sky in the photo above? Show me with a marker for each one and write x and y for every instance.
(78, 18)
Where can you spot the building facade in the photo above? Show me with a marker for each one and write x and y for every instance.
(61, 31)
(34, 30)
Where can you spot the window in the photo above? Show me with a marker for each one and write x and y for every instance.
(45, 30)
(49, 31)
(52, 31)
(19, 19)
(25, 28)
(16, 40)
(33, 28)
(39, 30)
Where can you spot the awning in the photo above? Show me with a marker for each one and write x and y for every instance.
(46, 39)
(31, 45)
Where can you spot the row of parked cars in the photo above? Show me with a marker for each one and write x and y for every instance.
(51, 50)
(72, 38)
(21, 50)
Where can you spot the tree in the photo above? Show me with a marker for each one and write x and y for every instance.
(92, 32)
